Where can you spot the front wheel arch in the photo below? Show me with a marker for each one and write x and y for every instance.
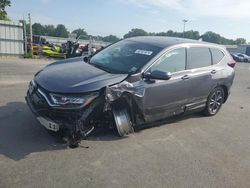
(122, 117)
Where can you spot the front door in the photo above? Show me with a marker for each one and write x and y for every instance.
(163, 98)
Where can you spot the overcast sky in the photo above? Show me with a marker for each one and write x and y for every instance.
(230, 18)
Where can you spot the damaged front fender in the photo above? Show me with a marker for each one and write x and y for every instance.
(129, 96)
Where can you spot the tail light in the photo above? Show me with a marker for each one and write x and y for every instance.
(232, 63)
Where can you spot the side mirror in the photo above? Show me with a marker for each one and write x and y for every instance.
(158, 75)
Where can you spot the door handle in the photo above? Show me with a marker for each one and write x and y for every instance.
(213, 71)
(185, 77)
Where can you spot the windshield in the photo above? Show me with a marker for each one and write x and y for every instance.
(124, 57)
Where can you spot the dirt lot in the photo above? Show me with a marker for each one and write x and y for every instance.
(191, 151)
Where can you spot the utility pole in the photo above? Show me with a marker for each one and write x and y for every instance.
(31, 36)
(90, 46)
(25, 37)
(184, 25)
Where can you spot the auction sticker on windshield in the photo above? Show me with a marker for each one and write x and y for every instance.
(143, 52)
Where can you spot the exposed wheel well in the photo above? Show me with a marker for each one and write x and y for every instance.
(126, 102)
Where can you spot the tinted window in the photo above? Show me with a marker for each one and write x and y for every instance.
(172, 61)
(125, 56)
(198, 57)
(217, 55)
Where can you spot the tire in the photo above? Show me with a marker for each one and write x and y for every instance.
(122, 122)
(214, 101)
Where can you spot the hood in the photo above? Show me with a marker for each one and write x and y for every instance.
(75, 77)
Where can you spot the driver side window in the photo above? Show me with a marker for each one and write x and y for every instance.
(172, 61)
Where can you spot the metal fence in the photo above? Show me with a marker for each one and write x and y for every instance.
(11, 38)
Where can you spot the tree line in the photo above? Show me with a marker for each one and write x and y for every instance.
(3, 5)
(208, 36)
(61, 31)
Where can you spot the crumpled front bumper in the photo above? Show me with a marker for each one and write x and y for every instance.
(45, 121)
(55, 119)
(50, 118)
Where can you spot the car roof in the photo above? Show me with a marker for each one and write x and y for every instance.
(165, 42)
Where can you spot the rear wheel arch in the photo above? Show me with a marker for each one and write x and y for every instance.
(225, 91)
(215, 100)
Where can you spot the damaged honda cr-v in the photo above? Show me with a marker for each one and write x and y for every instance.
(131, 83)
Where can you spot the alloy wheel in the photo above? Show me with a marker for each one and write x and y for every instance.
(215, 101)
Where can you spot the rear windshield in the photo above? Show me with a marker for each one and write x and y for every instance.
(125, 57)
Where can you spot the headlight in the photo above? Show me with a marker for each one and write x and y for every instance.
(72, 101)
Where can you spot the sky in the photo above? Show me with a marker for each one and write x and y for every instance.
(230, 18)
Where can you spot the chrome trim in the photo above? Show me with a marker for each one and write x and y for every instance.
(58, 106)
(33, 83)
(46, 98)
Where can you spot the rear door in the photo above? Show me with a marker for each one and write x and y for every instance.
(199, 62)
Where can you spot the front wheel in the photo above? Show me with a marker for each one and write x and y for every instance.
(214, 101)
(122, 121)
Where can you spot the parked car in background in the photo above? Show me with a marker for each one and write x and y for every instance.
(245, 57)
(237, 58)
(131, 83)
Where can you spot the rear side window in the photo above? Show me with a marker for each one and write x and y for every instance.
(199, 57)
(217, 55)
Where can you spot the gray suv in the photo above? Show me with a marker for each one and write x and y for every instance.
(131, 83)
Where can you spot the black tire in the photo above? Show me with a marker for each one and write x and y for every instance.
(214, 101)
(122, 122)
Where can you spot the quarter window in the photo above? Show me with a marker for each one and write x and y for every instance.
(199, 57)
(172, 61)
(217, 55)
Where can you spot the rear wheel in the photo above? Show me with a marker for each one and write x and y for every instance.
(215, 101)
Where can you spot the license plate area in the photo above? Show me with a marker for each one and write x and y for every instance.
(48, 124)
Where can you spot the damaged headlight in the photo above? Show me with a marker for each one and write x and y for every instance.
(71, 101)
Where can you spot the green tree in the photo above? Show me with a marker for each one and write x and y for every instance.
(61, 31)
(38, 29)
(110, 38)
(135, 32)
(188, 34)
(216, 38)
(80, 32)
(192, 34)
(49, 30)
(212, 37)
(97, 38)
(239, 41)
(3, 5)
